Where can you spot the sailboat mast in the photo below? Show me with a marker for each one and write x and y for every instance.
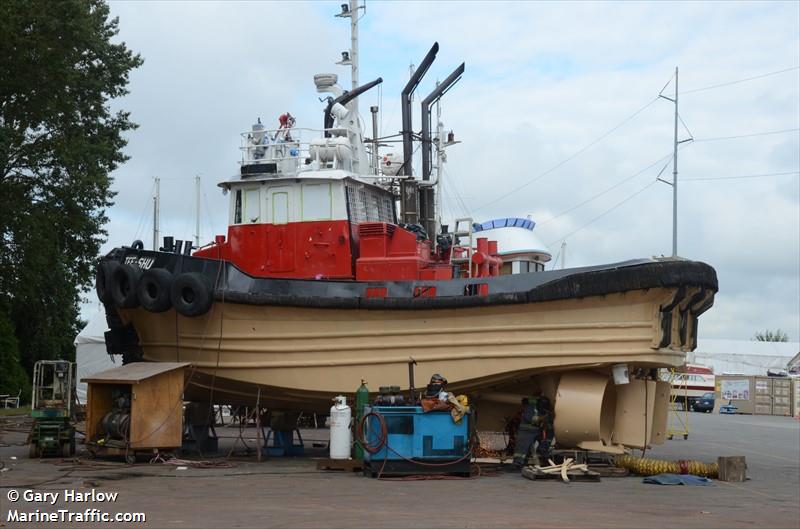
(197, 212)
(156, 211)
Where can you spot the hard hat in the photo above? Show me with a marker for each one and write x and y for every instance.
(438, 379)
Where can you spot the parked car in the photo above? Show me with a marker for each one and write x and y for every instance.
(704, 403)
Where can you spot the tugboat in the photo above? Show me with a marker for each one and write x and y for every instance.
(320, 282)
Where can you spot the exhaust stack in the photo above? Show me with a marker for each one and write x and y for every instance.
(432, 98)
(405, 106)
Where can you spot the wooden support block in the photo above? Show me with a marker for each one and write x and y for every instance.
(733, 468)
(348, 465)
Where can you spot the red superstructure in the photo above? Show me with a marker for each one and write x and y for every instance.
(369, 251)
(297, 250)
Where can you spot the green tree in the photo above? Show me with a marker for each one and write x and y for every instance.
(59, 142)
(13, 377)
(771, 336)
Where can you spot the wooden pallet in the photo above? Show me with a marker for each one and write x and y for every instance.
(347, 465)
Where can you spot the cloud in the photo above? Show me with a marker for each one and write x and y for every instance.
(543, 81)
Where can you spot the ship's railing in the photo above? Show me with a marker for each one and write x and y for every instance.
(292, 148)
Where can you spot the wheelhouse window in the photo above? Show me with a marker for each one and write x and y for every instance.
(237, 207)
(316, 201)
(252, 205)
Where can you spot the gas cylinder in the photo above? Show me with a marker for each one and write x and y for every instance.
(362, 397)
(340, 428)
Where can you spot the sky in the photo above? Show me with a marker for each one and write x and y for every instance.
(558, 114)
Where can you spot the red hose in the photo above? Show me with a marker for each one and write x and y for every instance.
(384, 434)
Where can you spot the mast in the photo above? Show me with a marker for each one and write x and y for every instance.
(351, 10)
(439, 166)
(156, 211)
(197, 212)
(674, 182)
(675, 175)
(375, 160)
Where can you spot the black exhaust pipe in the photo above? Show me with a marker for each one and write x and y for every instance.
(427, 148)
(346, 98)
(405, 106)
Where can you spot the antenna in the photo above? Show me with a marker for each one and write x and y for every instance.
(156, 212)
(197, 212)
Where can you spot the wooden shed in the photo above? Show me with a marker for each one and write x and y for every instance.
(154, 391)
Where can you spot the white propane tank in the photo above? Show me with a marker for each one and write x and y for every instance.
(340, 429)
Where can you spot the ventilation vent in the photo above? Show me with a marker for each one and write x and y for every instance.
(375, 229)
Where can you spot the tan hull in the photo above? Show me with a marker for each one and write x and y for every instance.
(303, 356)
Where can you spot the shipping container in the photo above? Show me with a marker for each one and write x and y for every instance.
(757, 395)
(738, 390)
(782, 396)
(763, 397)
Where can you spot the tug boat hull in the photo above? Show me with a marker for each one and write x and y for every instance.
(303, 341)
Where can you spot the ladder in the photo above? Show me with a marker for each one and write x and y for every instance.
(459, 247)
(678, 419)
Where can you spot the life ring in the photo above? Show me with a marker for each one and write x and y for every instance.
(191, 294)
(102, 283)
(153, 290)
(124, 281)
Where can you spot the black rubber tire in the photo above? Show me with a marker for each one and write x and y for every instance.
(154, 290)
(137, 245)
(124, 281)
(102, 283)
(191, 294)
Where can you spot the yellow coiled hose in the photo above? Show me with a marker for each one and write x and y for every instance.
(651, 467)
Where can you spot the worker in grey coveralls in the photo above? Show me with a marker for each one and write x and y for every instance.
(535, 429)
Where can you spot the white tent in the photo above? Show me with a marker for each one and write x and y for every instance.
(743, 357)
(90, 351)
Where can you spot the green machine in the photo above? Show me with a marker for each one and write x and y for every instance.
(52, 433)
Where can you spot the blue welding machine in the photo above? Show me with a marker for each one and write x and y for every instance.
(404, 440)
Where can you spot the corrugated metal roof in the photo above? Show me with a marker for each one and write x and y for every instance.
(748, 347)
(744, 357)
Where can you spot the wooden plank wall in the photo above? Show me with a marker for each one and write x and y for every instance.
(157, 411)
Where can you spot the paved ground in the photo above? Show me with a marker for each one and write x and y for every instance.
(291, 493)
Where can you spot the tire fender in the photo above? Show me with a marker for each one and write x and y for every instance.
(124, 281)
(153, 290)
(191, 294)
(102, 283)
